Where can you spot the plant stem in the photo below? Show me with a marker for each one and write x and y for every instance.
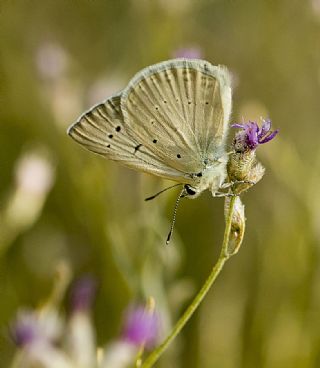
(223, 257)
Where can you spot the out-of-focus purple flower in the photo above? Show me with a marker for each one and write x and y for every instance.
(38, 350)
(192, 52)
(51, 60)
(251, 135)
(25, 330)
(141, 327)
(32, 327)
(83, 294)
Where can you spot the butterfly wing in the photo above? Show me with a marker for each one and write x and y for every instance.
(179, 111)
(170, 121)
(102, 131)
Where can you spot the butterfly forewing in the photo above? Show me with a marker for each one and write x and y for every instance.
(179, 110)
(101, 130)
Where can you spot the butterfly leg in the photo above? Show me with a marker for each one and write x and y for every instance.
(222, 194)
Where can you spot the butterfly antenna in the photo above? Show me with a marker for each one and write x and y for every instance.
(181, 195)
(161, 191)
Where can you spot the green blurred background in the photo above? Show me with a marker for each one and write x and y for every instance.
(60, 202)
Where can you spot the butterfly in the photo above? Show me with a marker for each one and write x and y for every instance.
(171, 121)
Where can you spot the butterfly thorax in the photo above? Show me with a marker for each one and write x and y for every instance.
(212, 177)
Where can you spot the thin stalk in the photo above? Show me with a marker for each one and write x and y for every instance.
(139, 357)
(223, 257)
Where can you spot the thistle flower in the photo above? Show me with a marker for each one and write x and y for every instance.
(140, 332)
(141, 326)
(38, 332)
(34, 326)
(35, 335)
(81, 341)
(251, 135)
(25, 330)
(243, 168)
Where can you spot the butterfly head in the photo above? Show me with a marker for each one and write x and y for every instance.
(191, 191)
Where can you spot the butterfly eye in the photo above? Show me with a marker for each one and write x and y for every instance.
(189, 190)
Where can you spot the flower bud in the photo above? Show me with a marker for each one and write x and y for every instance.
(238, 223)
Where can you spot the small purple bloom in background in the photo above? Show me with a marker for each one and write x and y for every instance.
(83, 294)
(192, 52)
(141, 327)
(51, 60)
(25, 330)
(251, 135)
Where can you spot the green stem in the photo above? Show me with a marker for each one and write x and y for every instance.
(224, 256)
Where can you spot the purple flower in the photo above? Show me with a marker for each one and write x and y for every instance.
(192, 52)
(83, 293)
(141, 327)
(25, 330)
(251, 135)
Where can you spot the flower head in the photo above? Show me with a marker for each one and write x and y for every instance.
(25, 330)
(141, 326)
(251, 135)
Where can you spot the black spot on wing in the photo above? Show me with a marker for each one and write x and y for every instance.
(136, 148)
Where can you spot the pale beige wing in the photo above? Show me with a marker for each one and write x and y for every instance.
(179, 110)
(102, 130)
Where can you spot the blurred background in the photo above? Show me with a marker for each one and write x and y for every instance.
(59, 202)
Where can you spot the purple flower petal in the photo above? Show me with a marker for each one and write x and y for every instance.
(141, 327)
(266, 126)
(242, 126)
(269, 136)
(252, 137)
(25, 329)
